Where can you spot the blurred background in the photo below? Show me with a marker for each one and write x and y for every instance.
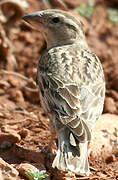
(24, 127)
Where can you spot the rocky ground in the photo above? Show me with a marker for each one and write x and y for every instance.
(24, 127)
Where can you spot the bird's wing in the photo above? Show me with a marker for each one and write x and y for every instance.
(78, 106)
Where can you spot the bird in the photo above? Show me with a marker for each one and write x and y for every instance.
(71, 84)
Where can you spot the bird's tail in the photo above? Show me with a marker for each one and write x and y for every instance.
(71, 157)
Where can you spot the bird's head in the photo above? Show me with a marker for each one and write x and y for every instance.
(58, 27)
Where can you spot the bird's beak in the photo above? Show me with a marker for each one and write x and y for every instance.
(35, 19)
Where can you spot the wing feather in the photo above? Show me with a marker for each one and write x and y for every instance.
(78, 105)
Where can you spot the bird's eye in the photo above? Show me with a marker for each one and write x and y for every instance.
(55, 20)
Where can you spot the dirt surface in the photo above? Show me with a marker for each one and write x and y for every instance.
(25, 133)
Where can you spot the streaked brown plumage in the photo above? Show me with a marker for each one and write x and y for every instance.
(72, 86)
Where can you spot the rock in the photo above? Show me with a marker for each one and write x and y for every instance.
(7, 172)
(112, 93)
(110, 106)
(113, 1)
(16, 96)
(101, 175)
(6, 103)
(24, 132)
(6, 145)
(32, 96)
(103, 140)
(110, 159)
(28, 154)
(8, 129)
(8, 135)
(75, 3)
(24, 167)
(115, 78)
(15, 82)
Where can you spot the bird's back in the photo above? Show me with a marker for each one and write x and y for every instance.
(72, 81)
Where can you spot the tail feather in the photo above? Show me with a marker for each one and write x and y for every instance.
(69, 157)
